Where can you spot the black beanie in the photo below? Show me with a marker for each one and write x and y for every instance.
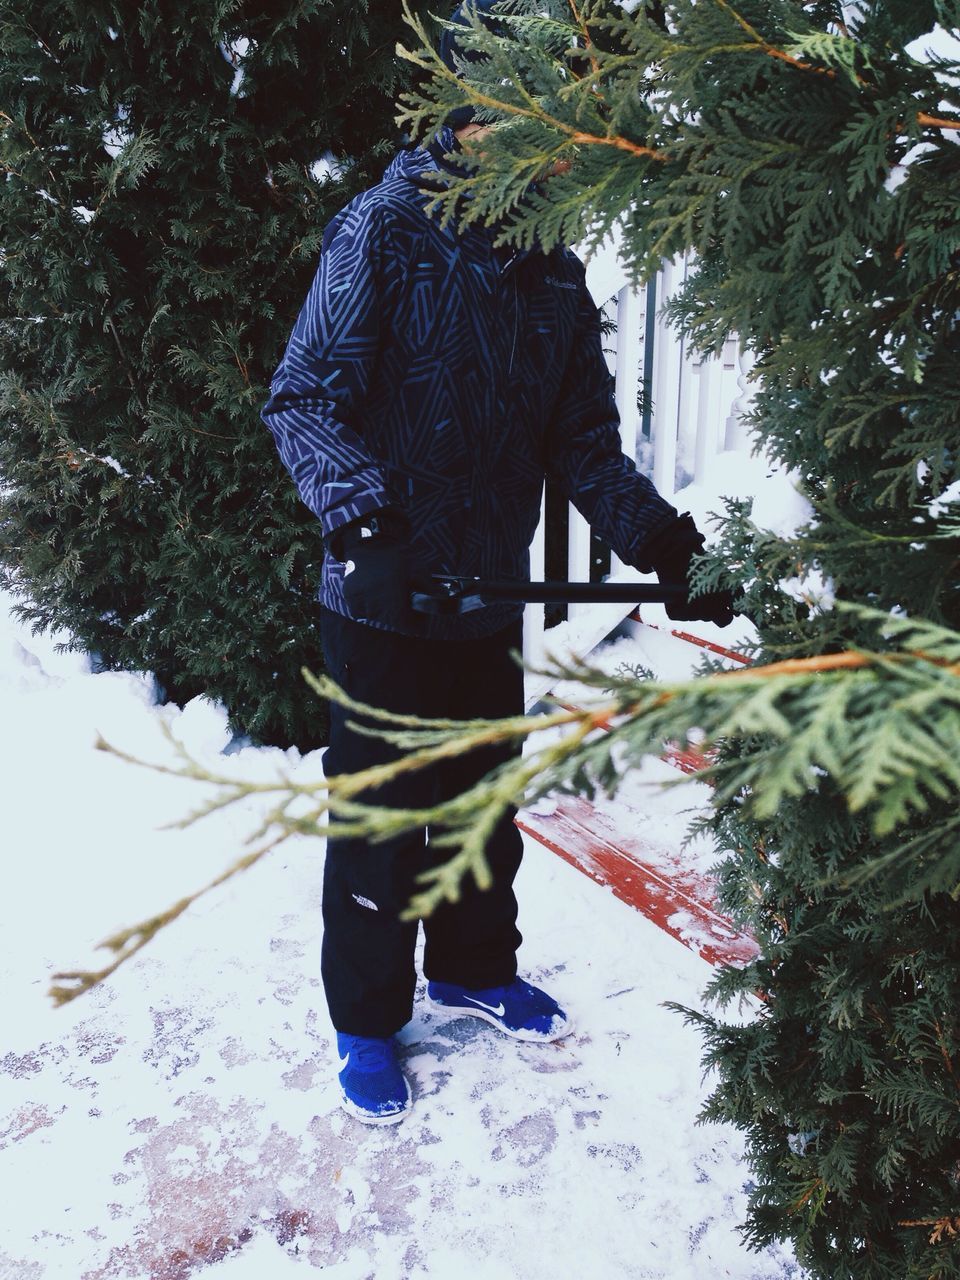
(451, 52)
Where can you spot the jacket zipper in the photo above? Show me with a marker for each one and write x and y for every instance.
(508, 267)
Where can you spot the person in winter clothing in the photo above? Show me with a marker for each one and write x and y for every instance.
(431, 381)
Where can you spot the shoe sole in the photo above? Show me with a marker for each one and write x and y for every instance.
(365, 1117)
(369, 1117)
(531, 1037)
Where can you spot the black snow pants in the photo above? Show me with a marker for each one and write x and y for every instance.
(367, 959)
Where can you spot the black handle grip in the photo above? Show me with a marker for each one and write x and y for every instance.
(457, 595)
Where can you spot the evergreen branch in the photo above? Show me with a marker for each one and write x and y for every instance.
(324, 687)
(195, 772)
(536, 112)
(36, 146)
(575, 136)
(817, 1188)
(945, 1053)
(770, 49)
(44, 45)
(443, 882)
(796, 710)
(127, 942)
(123, 357)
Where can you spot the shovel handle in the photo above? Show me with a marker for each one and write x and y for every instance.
(458, 595)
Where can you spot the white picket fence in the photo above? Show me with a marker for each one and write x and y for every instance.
(693, 407)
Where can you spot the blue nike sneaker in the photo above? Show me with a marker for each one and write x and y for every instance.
(375, 1090)
(518, 1010)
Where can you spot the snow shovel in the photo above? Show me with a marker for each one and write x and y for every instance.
(455, 594)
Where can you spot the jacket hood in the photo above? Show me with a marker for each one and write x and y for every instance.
(427, 166)
(430, 170)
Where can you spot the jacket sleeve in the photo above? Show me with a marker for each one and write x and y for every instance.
(584, 453)
(318, 390)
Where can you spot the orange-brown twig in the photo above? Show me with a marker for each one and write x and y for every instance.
(832, 662)
(811, 1190)
(588, 43)
(936, 122)
(575, 135)
(945, 1054)
(770, 49)
(945, 1226)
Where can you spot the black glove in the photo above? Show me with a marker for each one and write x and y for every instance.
(381, 569)
(669, 553)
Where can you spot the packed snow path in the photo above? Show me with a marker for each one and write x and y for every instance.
(181, 1121)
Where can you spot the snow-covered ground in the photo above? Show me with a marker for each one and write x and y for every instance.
(182, 1119)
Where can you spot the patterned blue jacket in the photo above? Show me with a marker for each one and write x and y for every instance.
(430, 371)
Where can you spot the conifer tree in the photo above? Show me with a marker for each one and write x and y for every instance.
(168, 172)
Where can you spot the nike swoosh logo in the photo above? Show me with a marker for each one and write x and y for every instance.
(498, 1010)
(343, 1062)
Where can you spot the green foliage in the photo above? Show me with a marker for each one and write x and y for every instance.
(787, 721)
(161, 223)
(807, 155)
